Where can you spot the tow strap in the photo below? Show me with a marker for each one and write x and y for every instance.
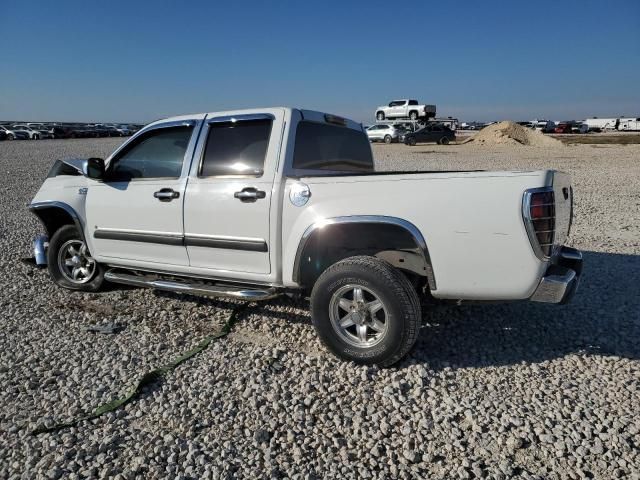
(152, 376)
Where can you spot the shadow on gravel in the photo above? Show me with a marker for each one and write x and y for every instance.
(602, 319)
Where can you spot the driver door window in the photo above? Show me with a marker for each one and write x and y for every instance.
(156, 154)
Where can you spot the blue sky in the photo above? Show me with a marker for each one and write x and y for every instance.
(477, 60)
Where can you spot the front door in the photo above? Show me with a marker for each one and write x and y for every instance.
(135, 214)
(229, 194)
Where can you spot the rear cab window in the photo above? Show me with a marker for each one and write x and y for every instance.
(325, 148)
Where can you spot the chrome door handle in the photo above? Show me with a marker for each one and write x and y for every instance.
(166, 194)
(249, 194)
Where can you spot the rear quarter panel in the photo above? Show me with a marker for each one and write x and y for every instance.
(472, 223)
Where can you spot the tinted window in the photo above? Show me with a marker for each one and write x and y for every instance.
(236, 148)
(413, 102)
(156, 154)
(329, 147)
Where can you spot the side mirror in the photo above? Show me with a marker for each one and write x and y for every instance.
(94, 168)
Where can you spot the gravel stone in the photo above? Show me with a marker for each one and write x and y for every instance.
(503, 391)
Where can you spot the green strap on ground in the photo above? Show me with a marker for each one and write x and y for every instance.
(150, 377)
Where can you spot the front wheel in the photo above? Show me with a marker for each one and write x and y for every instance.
(10, 137)
(413, 115)
(366, 311)
(388, 139)
(411, 142)
(70, 263)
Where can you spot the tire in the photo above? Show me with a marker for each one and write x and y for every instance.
(62, 245)
(388, 139)
(397, 319)
(380, 116)
(10, 137)
(413, 115)
(411, 142)
(444, 141)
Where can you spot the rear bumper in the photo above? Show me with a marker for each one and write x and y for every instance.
(560, 282)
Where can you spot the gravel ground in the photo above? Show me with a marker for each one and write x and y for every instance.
(500, 391)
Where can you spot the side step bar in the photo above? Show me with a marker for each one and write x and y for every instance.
(192, 288)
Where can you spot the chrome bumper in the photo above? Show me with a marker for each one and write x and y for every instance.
(40, 245)
(561, 280)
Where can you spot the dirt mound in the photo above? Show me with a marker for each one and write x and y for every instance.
(510, 133)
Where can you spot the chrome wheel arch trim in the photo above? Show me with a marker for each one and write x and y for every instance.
(39, 206)
(381, 219)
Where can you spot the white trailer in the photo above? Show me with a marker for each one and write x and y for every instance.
(629, 125)
(602, 123)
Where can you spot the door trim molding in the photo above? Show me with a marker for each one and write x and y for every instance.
(177, 239)
(143, 237)
(232, 243)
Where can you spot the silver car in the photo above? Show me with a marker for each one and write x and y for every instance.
(383, 133)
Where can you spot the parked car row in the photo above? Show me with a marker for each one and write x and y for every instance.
(431, 132)
(40, 131)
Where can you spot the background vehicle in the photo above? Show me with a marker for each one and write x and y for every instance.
(124, 130)
(11, 134)
(32, 134)
(433, 132)
(544, 126)
(410, 109)
(562, 127)
(600, 124)
(579, 127)
(629, 124)
(383, 133)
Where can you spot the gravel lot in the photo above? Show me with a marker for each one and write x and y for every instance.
(500, 391)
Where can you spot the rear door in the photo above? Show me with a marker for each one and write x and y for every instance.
(229, 195)
(136, 212)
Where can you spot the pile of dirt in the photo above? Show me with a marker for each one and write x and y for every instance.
(510, 133)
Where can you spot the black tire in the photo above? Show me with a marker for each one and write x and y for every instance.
(401, 309)
(413, 115)
(388, 139)
(10, 137)
(411, 142)
(380, 115)
(444, 141)
(63, 236)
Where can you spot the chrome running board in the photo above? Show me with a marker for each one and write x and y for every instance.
(192, 287)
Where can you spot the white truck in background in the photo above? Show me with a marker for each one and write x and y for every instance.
(250, 204)
(405, 109)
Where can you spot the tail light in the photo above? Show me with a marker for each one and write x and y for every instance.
(539, 212)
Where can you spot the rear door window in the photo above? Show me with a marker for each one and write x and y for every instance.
(236, 148)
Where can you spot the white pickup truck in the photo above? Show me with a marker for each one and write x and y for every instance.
(407, 108)
(254, 203)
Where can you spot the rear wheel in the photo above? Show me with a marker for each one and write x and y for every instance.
(387, 139)
(413, 115)
(380, 115)
(366, 311)
(444, 141)
(70, 263)
(411, 141)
